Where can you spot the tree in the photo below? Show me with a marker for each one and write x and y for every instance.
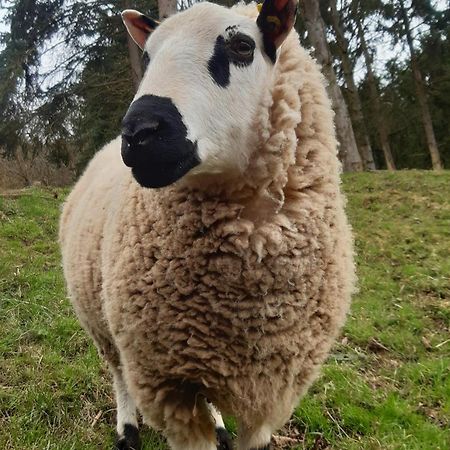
(134, 55)
(357, 16)
(66, 113)
(75, 107)
(336, 19)
(433, 58)
(401, 14)
(165, 9)
(29, 29)
(348, 150)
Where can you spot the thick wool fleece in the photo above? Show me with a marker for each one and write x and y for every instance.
(235, 290)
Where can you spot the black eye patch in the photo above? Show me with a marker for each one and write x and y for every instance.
(236, 48)
(219, 63)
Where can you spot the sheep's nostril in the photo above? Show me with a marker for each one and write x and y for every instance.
(138, 134)
(143, 135)
(149, 126)
(137, 139)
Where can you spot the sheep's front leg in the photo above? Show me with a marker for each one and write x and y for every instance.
(127, 424)
(223, 438)
(192, 423)
(254, 437)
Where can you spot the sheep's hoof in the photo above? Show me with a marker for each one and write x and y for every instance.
(223, 439)
(129, 440)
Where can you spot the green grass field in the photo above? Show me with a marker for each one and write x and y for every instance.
(385, 386)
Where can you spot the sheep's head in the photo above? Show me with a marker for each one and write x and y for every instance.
(196, 108)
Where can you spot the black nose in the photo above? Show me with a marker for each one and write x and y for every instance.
(155, 143)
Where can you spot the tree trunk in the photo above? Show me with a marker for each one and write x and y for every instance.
(134, 56)
(421, 95)
(23, 166)
(354, 102)
(166, 8)
(375, 100)
(348, 151)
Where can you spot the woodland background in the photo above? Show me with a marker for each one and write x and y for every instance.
(68, 72)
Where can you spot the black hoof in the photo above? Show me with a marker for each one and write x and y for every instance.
(223, 439)
(129, 440)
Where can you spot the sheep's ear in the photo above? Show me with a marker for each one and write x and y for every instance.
(138, 25)
(276, 19)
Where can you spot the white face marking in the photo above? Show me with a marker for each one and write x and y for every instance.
(220, 119)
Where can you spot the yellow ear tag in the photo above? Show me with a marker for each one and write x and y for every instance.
(276, 22)
(259, 6)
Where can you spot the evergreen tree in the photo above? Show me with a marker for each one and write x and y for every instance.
(68, 71)
(73, 109)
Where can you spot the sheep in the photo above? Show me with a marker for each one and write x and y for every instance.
(206, 250)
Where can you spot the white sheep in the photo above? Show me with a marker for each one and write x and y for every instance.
(227, 285)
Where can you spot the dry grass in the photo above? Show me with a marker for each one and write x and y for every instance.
(20, 172)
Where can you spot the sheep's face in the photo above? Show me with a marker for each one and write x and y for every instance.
(196, 108)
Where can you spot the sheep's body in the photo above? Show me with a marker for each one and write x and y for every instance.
(236, 291)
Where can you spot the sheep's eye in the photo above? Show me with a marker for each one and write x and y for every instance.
(242, 48)
(145, 60)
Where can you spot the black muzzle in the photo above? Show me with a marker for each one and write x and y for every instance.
(155, 143)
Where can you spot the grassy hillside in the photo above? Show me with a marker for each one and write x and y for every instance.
(385, 386)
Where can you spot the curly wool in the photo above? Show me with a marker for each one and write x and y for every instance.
(235, 290)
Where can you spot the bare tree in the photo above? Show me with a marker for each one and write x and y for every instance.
(381, 125)
(421, 94)
(134, 54)
(348, 150)
(354, 102)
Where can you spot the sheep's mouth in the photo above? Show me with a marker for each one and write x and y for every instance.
(161, 173)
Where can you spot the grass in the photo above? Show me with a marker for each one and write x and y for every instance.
(385, 386)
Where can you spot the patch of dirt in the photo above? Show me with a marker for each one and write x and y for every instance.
(288, 437)
(435, 414)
